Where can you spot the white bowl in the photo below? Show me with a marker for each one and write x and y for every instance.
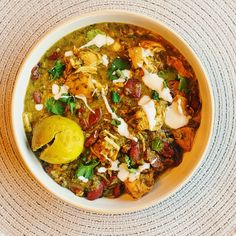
(168, 183)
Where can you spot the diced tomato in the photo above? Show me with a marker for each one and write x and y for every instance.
(83, 123)
(91, 139)
(95, 117)
(133, 88)
(94, 194)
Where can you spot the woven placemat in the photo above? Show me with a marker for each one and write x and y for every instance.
(206, 205)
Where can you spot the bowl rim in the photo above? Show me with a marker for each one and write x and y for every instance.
(101, 13)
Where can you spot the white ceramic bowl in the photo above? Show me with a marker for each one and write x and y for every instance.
(168, 183)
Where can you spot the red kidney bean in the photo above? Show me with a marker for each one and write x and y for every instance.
(53, 56)
(35, 73)
(91, 139)
(157, 164)
(133, 88)
(116, 192)
(37, 97)
(83, 123)
(134, 151)
(95, 117)
(94, 194)
(167, 151)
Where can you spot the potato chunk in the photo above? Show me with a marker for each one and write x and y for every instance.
(66, 135)
(140, 186)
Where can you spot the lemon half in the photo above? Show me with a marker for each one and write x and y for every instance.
(65, 136)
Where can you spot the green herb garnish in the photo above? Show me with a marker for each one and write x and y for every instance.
(57, 71)
(115, 97)
(165, 84)
(115, 122)
(55, 106)
(69, 100)
(86, 170)
(155, 95)
(157, 145)
(183, 84)
(167, 74)
(116, 67)
(130, 163)
(93, 33)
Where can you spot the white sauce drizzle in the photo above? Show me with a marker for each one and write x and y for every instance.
(125, 75)
(68, 54)
(105, 60)
(99, 40)
(102, 169)
(38, 107)
(84, 99)
(153, 81)
(83, 179)
(148, 106)
(57, 90)
(175, 117)
(124, 173)
(123, 127)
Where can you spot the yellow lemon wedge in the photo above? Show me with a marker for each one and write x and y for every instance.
(63, 138)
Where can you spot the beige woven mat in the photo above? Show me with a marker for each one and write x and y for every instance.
(206, 205)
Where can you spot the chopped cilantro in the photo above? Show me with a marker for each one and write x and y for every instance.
(58, 106)
(115, 97)
(115, 122)
(57, 71)
(155, 95)
(157, 145)
(86, 170)
(55, 106)
(115, 70)
(69, 100)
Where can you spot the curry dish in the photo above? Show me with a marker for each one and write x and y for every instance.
(109, 108)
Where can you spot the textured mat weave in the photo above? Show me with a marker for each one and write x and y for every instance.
(206, 205)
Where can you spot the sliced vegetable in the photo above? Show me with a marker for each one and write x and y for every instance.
(115, 122)
(183, 84)
(86, 170)
(157, 145)
(57, 71)
(92, 33)
(94, 117)
(115, 97)
(165, 84)
(91, 139)
(167, 74)
(118, 64)
(155, 95)
(55, 106)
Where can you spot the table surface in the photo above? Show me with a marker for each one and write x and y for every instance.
(206, 205)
